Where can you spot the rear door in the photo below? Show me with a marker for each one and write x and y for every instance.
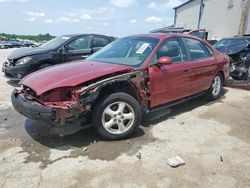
(79, 48)
(169, 82)
(202, 64)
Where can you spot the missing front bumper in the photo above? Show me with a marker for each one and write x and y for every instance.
(31, 109)
(54, 116)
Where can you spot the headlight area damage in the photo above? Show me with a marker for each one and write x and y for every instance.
(74, 104)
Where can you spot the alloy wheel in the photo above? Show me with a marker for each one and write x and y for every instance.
(118, 117)
(216, 86)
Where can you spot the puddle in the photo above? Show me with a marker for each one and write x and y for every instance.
(40, 150)
(235, 114)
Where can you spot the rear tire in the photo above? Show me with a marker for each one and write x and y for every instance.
(215, 91)
(116, 116)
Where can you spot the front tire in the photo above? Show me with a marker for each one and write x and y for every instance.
(215, 91)
(117, 116)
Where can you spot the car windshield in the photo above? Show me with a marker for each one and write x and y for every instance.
(55, 43)
(236, 42)
(132, 51)
(221, 43)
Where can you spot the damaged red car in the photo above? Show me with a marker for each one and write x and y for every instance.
(128, 78)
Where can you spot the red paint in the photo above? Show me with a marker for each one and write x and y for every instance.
(167, 82)
(175, 81)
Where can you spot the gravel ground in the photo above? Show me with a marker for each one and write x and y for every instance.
(212, 137)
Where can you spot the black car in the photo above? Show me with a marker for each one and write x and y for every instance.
(58, 50)
(238, 48)
(4, 45)
(28, 44)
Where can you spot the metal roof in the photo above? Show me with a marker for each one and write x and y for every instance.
(183, 4)
(168, 29)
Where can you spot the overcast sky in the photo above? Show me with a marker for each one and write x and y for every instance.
(111, 17)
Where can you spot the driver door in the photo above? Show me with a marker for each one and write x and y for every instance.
(79, 48)
(169, 82)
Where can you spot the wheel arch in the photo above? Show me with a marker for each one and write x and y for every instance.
(44, 62)
(131, 83)
(119, 86)
(223, 76)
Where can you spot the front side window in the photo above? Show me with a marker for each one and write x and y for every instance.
(100, 41)
(132, 51)
(81, 43)
(197, 49)
(171, 48)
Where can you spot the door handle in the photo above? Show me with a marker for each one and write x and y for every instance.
(84, 56)
(187, 70)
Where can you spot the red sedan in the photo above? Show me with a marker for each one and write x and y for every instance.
(113, 87)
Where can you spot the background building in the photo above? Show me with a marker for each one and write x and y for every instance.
(221, 18)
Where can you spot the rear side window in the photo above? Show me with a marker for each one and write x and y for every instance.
(100, 41)
(197, 49)
(80, 43)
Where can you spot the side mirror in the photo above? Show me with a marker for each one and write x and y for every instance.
(62, 50)
(248, 46)
(165, 60)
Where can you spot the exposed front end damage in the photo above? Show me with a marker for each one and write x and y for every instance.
(75, 104)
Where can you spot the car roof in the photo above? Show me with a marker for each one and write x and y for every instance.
(236, 38)
(163, 35)
(77, 35)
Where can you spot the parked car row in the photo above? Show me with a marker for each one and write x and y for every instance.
(4, 44)
(114, 87)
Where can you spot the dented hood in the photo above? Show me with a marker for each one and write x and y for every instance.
(69, 74)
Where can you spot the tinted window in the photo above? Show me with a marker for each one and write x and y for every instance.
(235, 46)
(80, 43)
(131, 51)
(235, 42)
(171, 48)
(197, 49)
(100, 42)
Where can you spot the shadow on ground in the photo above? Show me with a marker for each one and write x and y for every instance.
(87, 143)
(80, 139)
(162, 115)
(13, 83)
(83, 143)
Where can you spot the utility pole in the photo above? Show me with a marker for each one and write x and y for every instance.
(200, 13)
(243, 18)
